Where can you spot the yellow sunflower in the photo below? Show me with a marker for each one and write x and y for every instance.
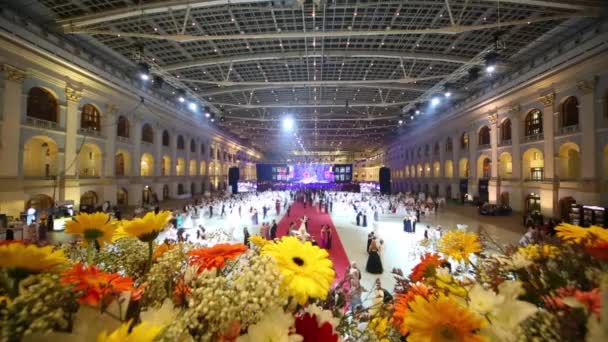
(459, 244)
(97, 227)
(535, 251)
(443, 320)
(577, 234)
(21, 259)
(143, 332)
(258, 240)
(147, 228)
(307, 270)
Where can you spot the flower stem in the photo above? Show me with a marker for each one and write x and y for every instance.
(150, 251)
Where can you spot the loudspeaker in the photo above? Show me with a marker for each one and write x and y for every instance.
(385, 180)
(233, 175)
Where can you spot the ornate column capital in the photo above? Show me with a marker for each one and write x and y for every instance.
(586, 86)
(12, 74)
(73, 94)
(548, 99)
(493, 117)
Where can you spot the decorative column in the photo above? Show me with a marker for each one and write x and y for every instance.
(11, 121)
(72, 96)
(473, 181)
(516, 198)
(109, 157)
(494, 183)
(158, 152)
(136, 186)
(455, 181)
(550, 186)
(109, 132)
(590, 192)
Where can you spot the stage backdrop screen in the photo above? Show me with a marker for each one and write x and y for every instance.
(305, 173)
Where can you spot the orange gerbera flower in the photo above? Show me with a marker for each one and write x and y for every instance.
(161, 249)
(401, 304)
(95, 285)
(598, 250)
(426, 267)
(216, 256)
(181, 291)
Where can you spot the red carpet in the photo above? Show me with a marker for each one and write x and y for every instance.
(315, 220)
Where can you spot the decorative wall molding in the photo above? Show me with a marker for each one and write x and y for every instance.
(587, 86)
(493, 117)
(72, 94)
(548, 99)
(12, 73)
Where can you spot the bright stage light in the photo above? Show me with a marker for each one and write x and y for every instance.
(207, 115)
(490, 68)
(192, 106)
(288, 123)
(447, 94)
(181, 99)
(435, 101)
(417, 112)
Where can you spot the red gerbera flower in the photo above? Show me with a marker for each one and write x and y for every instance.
(308, 328)
(427, 265)
(96, 285)
(216, 256)
(598, 250)
(591, 299)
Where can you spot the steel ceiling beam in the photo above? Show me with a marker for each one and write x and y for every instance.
(316, 83)
(378, 118)
(236, 89)
(311, 105)
(247, 58)
(147, 9)
(559, 4)
(450, 30)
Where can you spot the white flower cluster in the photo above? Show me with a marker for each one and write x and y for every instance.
(163, 274)
(249, 290)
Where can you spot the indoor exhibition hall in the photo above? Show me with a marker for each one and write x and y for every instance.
(304, 170)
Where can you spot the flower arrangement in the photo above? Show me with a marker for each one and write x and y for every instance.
(119, 285)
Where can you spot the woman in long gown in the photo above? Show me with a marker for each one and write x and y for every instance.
(324, 237)
(374, 264)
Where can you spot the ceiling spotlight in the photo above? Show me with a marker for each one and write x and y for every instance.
(435, 101)
(412, 117)
(192, 106)
(181, 99)
(401, 122)
(417, 112)
(447, 93)
(288, 123)
(207, 115)
(143, 70)
(491, 59)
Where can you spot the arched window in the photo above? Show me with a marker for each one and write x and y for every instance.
(42, 105)
(203, 149)
(119, 165)
(123, 127)
(534, 122)
(505, 131)
(570, 112)
(192, 146)
(448, 145)
(436, 148)
(464, 141)
(165, 138)
(180, 142)
(147, 134)
(484, 136)
(90, 118)
(427, 149)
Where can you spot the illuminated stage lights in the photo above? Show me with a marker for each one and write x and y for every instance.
(192, 106)
(491, 59)
(435, 101)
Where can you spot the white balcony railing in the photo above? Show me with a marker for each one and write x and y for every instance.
(506, 142)
(41, 123)
(534, 137)
(484, 146)
(123, 139)
(90, 132)
(569, 129)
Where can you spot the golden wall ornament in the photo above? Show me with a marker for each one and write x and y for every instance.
(547, 100)
(493, 117)
(13, 74)
(72, 94)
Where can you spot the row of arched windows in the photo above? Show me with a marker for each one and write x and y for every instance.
(533, 125)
